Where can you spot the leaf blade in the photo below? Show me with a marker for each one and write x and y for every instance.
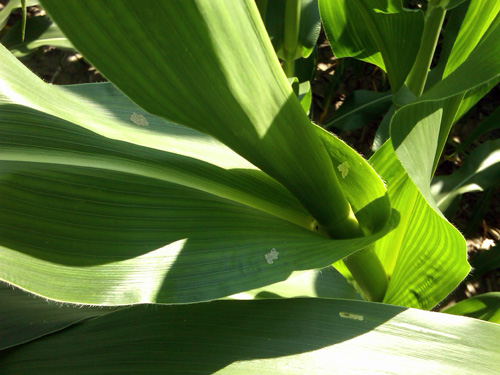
(326, 336)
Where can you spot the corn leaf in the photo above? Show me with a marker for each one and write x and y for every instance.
(40, 31)
(480, 171)
(91, 215)
(323, 283)
(480, 15)
(375, 31)
(425, 255)
(359, 109)
(10, 7)
(219, 75)
(419, 130)
(484, 306)
(26, 317)
(291, 336)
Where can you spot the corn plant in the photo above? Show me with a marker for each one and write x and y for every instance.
(167, 216)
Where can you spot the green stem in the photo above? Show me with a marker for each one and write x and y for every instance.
(369, 273)
(364, 265)
(289, 68)
(417, 77)
(291, 35)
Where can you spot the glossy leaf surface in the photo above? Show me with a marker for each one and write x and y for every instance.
(419, 130)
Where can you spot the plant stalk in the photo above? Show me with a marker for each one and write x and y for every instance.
(369, 273)
(291, 35)
(364, 265)
(417, 77)
(289, 68)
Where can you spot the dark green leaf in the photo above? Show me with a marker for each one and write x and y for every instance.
(359, 109)
(292, 337)
(484, 306)
(210, 75)
(40, 31)
(375, 31)
(480, 171)
(26, 317)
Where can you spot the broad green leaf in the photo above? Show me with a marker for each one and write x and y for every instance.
(375, 31)
(210, 66)
(303, 93)
(425, 256)
(480, 171)
(294, 336)
(484, 306)
(466, 28)
(40, 31)
(359, 109)
(87, 211)
(92, 220)
(102, 109)
(25, 317)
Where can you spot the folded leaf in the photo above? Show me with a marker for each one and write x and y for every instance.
(97, 221)
(375, 31)
(210, 66)
(86, 211)
(425, 255)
